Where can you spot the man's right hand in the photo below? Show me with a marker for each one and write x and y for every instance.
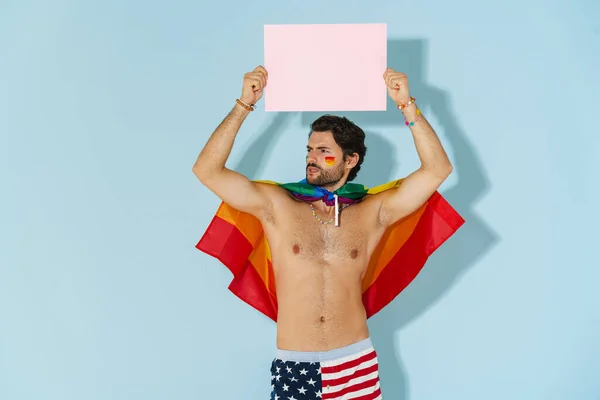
(254, 83)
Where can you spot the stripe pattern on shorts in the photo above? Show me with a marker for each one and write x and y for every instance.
(351, 377)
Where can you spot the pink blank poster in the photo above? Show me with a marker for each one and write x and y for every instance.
(325, 67)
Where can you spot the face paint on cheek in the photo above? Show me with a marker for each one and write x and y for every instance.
(330, 160)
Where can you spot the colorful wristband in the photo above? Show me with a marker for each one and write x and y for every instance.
(412, 123)
(403, 106)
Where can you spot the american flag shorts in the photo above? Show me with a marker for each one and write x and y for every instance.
(349, 372)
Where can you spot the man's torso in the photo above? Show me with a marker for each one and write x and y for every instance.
(318, 272)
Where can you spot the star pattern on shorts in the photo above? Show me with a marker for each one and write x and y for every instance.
(292, 380)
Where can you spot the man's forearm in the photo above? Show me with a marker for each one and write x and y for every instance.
(215, 153)
(429, 148)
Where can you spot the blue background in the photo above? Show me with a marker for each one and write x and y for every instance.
(105, 105)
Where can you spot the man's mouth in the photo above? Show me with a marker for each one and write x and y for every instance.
(312, 170)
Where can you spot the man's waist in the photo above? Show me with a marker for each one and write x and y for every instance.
(321, 355)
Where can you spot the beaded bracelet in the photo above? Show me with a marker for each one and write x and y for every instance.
(248, 107)
(403, 106)
(415, 120)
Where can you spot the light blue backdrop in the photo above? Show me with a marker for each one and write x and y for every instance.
(105, 105)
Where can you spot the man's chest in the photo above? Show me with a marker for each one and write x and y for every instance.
(314, 235)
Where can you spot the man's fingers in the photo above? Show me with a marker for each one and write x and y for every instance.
(391, 81)
(394, 79)
(258, 76)
(261, 69)
(388, 72)
(254, 82)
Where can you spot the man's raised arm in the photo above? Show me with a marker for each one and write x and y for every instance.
(230, 186)
(435, 167)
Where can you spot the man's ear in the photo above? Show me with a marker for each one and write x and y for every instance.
(352, 160)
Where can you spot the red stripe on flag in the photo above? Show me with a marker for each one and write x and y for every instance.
(249, 287)
(331, 369)
(345, 379)
(227, 244)
(350, 389)
(369, 396)
(438, 222)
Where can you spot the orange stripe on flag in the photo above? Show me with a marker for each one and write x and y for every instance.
(391, 242)
(247, 224)
(251, 228)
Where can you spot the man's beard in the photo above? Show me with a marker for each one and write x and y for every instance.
(326, 177)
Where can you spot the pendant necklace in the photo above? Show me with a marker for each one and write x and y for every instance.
(332, 220)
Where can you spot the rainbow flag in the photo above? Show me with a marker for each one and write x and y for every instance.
(237, 240)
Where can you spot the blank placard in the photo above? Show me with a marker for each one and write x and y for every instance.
(325, 67)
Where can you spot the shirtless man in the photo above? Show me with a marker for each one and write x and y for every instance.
(318, 266)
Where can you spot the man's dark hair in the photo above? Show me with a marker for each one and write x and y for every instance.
(346, 134)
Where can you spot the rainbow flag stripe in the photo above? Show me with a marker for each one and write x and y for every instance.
(237, 240)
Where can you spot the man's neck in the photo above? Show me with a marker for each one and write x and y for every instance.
(333, 188)
(320, 205)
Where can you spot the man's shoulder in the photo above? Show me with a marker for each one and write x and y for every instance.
(278, 199)
(273, 190)
(372, 198)
(266, 185)
(378, 193)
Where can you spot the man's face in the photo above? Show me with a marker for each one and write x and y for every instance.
(324, 160)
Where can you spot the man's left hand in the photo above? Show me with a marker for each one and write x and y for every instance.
(397, 85)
